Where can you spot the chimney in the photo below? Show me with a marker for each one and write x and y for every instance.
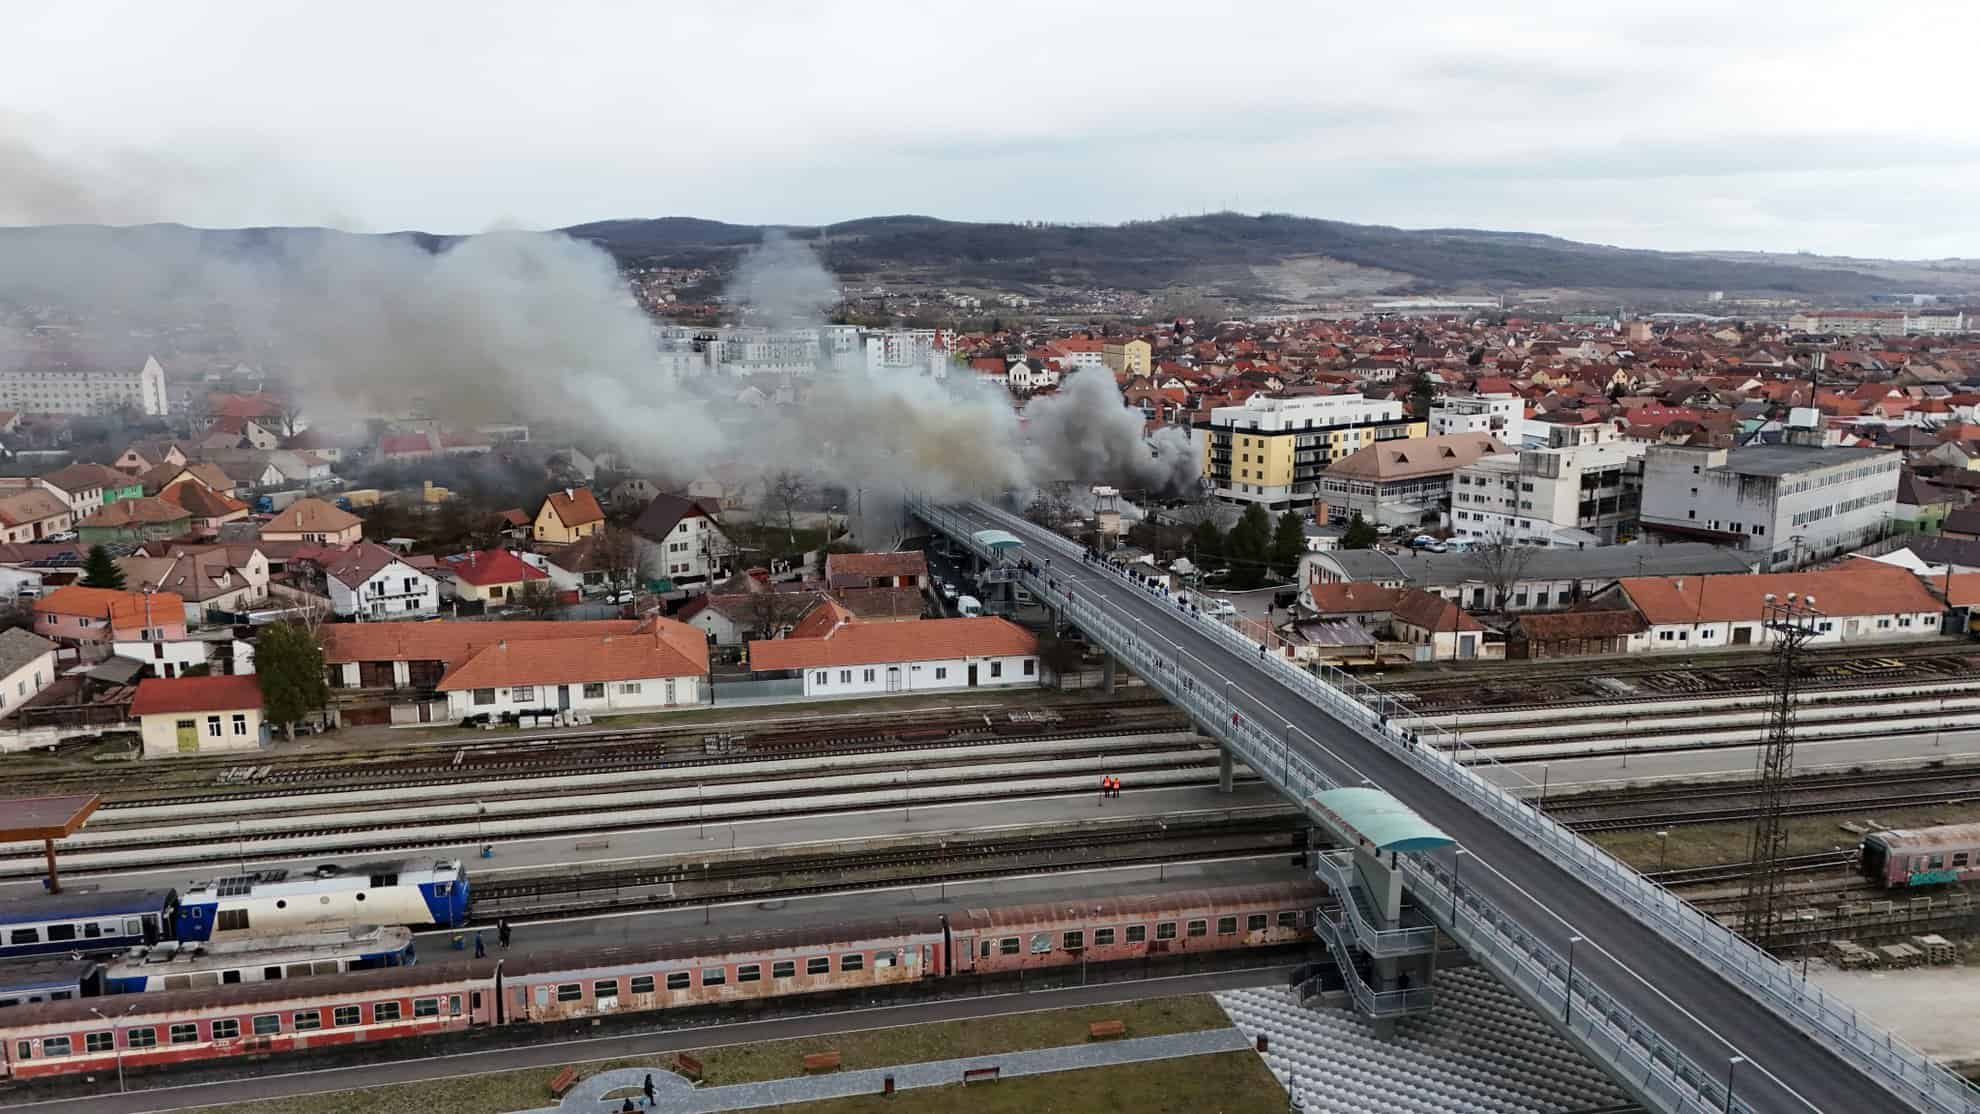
(569, 494)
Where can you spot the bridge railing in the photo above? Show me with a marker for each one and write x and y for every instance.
(1448, 761)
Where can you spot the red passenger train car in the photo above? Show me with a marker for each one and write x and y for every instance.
(294, 1015)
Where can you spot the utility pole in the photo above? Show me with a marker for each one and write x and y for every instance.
(1792, 623)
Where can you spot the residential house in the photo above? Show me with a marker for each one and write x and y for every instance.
(493, 576)
(208, 509)
(143, 519)
(299, 468)
(1862, 601)
(597, 563)
(1437, 628)
(634, 492)
(215, 577)
(315, 521)
(1132, 356)
(1523, 578)
(143, 456)
(903, 569)
(92, 619)
(369, 582)
(662, 664)
(198, 715)
(85, 487)
(32, 514)
(230, 431)
(854, 658)
(316, 443)
(27, 665)
(684, 543)
(413, 657)
(567, 515)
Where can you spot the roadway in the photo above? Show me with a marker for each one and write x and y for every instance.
(1707, 1019)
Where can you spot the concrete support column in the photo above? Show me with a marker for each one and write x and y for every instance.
(1107, 673)
(1226, 770)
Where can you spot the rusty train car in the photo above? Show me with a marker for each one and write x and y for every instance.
(57, 1039)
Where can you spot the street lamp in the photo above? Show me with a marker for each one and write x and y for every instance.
(116, 1031)
(1663, 850)
(1732, 1065)
(1567, 1013)
(1457, 857)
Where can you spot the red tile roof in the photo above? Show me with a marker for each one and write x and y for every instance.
(311, 516)
(166, 695)
(493, 566)
(875, 643)
(1861, 587)
(575, 506)
(663, 648)
(119, 607)
(447, 641)
(906, 562)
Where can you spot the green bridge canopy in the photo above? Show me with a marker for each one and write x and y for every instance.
(997, 539)
(1373, 815)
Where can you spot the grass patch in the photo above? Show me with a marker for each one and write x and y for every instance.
(1712, 844)
(750, 1063)
(1218, 1083)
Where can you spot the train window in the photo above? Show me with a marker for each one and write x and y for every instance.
(885, 959)
(360, 897)
(346, 1015)
(98, 1042)
(5, 1002)
(605, 988)
(25, 936)
(1074, 941)
(205, 979)
(380, 881)
(232, 920)
(229, 978)
(271, 974)
(1226, 926)
(1959, 858)
(1102, 937)
(1041, 942)
(23, 1050)
(226, 1029)
(1009, 945)
(385, 1011)
(714, 976)
(1938, 862)
(1137, 933)
(305, 1020)
(144, 1036)
(1288, 919)
(1199, 928)
(642, 984)
(61, 932)
(986, 949)
(320, 967)
(54, 1046)
(92, 930)
(1256, 922)
(570, 992)
(426, 1007)
(679, 980)
(818, 965)
(185, 1034)
(453, 1005)
(749, 972)
(783, 969)
(852, 961)
(267, 1024)
(1166, 930)
(135, 927)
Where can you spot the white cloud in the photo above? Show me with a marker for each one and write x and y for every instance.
(1819, 125)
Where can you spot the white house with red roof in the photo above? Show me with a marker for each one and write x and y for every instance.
(494, 576)
(839, 656)
(663, 664)
(198, 715)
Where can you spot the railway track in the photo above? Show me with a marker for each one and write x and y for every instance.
(1730, 815)
(1735, 872)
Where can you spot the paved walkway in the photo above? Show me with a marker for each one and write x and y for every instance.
(675, 1095)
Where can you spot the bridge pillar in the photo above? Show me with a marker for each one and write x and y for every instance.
(1226, 770)
(1107, 673)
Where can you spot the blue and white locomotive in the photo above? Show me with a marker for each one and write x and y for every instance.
(271, 902)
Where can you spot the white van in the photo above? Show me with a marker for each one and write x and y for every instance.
(969, 607)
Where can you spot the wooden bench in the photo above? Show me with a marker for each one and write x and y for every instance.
(688, 1066)
(827, 1060)
(981, 1075)
(562, 1081)
(1101, 1030)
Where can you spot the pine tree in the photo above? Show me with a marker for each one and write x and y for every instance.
(1208, 542)
(101, 571)
(290, 666)
(1288, 544)
(1250, 547)
(1361, 534)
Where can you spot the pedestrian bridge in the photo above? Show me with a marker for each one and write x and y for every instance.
(1682, 1012)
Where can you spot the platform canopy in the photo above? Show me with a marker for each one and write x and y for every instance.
(1379, 819)
(997, 539)
(25, 818)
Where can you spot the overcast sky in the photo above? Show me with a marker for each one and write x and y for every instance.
(1836, 127)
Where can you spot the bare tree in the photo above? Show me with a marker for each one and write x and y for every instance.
(770, 611)
(1053, 506)
(783, 494)
(616, 554)
(536, 599)
(289, 415)
(1500, 563)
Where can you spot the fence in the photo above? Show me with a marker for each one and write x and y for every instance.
(1445, 760)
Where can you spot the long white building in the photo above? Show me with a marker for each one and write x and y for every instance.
(1793, 503)
(79, 390)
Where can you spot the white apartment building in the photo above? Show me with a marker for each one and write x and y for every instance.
(1937, 324)
(917, 350)
(1563, 496)
(1272, 449)
(1793, 503)
(84, 390)
(1504, 416)
(1850, 322)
